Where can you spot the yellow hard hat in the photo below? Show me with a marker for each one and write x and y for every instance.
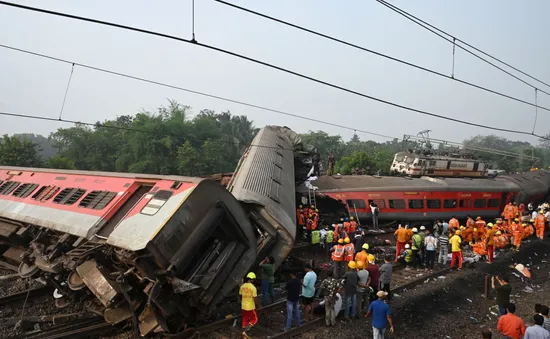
(300, 206)
(347, 240)
(351, 218)
(316, 210)
(541, 211)
(499, 221)
(360, 264)
(365, 246)
(251, 275)
(490, 224)
(312, 206)
(516, 219)
(498, 233)
(475, 229)
(462, 227)
(371, 258)
(352, 264)
(457, 232)
(524, 224)
(340, 241)
(531, 220)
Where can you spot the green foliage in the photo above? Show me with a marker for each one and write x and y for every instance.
(16, 151)
(60, 162)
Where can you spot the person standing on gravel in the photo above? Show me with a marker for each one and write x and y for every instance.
(443, 248)
(363, 289)
(292, 300)
(381, 316)
(330, 286)
(503, 292)
(510, 325)
(430, 244)
(456, 250)
(537, 331)
(385, 276)
(350, 291)
(308, 291)
(267, 280)
(544, 310)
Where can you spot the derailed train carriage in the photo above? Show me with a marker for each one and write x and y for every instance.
(161, 249)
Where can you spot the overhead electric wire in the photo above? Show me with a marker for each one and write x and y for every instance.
(401, 61)
(411, 18)
(266, 64)
(465, 43)
(239, 102)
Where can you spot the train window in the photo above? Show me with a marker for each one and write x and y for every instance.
(432, 162)
(480, 203)
(449, 203)
(8, 187)
(379, 202)
(356, 203)
(398, 204)
(433, 203)
(69, 196)
(154, 205)
(493, 203)
(45, 193)
(416, 203)
(24, 190)
(465, 203)
(97, 200)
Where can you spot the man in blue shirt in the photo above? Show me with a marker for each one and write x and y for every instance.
(381, 316)
(308, 292)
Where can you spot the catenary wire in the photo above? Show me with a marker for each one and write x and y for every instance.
(239, 102)
(406, 15)
(401, 61)
(266, 64)
(467, 44)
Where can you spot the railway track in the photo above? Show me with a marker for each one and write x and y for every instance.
(27, 294)
(80, 328)
(232, 324)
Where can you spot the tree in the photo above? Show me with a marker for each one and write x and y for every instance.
(59, 162)
(16, 151)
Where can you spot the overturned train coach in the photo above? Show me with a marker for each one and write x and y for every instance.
(160, 249)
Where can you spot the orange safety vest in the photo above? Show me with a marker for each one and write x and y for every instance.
(480, 225)
(346, 226)
(338, 253)
(470, 222)
(315, 219)
(301, 219)
(540, 220)
(306, 212)
(350, 252)
(352, 226)
(453, 223)
(509, 211)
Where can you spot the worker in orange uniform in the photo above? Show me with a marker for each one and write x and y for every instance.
(514, 231)
(338, 258)
(349, 251)
(453, 224)
(347, 225)
(352, 227)
(529, 229)
(300, 216)
(315, 219)
(475, 235)
(516, 209)
(540, 221)
(456, 250)
(508, 213)
(468, 234)
(518, 235)
(490, 241)
(363, 255)
(480, 224)
(470, 222)
(409, 234)
(521, 209)
(402, 238)
(479, 248)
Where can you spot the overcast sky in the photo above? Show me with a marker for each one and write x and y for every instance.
(516, 31)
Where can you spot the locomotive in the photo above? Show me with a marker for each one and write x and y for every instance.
(417, 165)
(427, 198)
(159, 249)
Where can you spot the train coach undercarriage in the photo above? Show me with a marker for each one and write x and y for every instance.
(158, 294)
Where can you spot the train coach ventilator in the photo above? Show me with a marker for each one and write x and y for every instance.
(159, 250)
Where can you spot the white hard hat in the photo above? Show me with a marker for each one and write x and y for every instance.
(422, 228)
(407, 246)
(415, 229)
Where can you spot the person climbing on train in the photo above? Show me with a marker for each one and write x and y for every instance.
(249, 296)
(402, 238)
(508, 213)
(540, 222)
(490, 241)
(416, 246)
(456, 250)
(338, 258)
(352, 227)
(453, 224)
(349, 251)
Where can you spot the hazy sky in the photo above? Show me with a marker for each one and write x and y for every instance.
(516, 31)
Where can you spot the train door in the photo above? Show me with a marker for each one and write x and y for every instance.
(476, 166)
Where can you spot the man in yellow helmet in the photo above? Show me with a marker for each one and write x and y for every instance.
(350, 291)
(338, 252)
(249, 296)
(349, 250)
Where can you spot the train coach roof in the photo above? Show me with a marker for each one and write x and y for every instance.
(388, 184)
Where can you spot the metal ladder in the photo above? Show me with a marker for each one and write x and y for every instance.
(311, 194)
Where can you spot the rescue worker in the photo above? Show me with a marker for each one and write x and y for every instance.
(468, 233)
(407, 256)
(402, 237)
(476, 237)
(338, 258)
(500, 241)
(422, 234)
(540, 221)
(518, 236)
(529, 230)
(300, 217)
(362, 255)
(508, 212)
(347, 226)
(453, 224)
(480, 225)
(352, 227)
(409, 234)
(359, 239)
(329, 239)
(416, 246)
(249, 296)
(479, 248)
(521, 209)
(315, 219)
(514, 232)
(456, 249)
(490, 241)
(516, 209)
(470, 222)
(349, 251)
